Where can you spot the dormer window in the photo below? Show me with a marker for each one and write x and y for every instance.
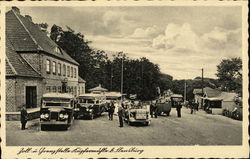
(57, 50)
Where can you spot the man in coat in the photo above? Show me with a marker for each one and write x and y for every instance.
(24, 117)
(111, 110)
(120, 115)
(178, 109)
(151, 108)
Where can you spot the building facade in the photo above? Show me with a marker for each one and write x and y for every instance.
(35, 65)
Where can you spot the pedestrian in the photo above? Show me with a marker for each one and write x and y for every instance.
(178, 109)
(151, 109)
(155, 110)
(24, 117)
(190, 104)
(120, 115)
(111, 110)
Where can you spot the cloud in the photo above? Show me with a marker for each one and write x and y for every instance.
(178, 37)
(149, 32)
(114, 23)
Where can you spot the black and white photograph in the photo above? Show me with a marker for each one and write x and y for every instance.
(107, 80)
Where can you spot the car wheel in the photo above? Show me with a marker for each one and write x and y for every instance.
(146, 123)
(168, 113)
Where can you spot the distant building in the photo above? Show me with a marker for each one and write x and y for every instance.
(98, 90)
(35, 65)
(214, 98)
(210, 96)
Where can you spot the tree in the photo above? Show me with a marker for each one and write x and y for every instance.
(91, 61)
(229, 72)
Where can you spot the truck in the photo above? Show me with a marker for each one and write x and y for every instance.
(163, 106)
(57, 109)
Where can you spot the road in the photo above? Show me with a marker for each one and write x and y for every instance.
(191, 129)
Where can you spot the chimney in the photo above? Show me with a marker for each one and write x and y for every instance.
(16, 10)
(28, 17)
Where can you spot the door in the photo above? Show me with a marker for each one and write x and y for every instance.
(31, 97)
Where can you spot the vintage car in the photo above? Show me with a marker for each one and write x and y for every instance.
(57, 109)
(90, 105)
(163, 106)
(137, 114)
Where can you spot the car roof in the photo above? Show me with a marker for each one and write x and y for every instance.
(58, 95)
(91, 95)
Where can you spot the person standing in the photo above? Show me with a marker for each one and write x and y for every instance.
(111, 110)
(151, 109)
(178, 109)
(24, 117)
(120, 115)
(155, 110)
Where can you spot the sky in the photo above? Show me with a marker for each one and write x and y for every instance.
(180, 39)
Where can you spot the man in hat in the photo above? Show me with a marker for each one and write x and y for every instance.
(120, 115)
(24, 117)
(111, 110)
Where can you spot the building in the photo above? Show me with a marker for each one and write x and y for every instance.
(210, 96)
(35, 65)
(98, 90)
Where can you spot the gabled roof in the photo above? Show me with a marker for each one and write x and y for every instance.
(16, 65)
(26, 36)
(99, 88)
(210, 92)
(80, 80)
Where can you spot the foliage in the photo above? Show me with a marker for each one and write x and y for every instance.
(229, 72)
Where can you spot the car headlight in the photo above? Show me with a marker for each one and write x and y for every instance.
(66, 116)
(46, 115)
(42, 116)
(87, 109)
(60, 115)
(77, 109)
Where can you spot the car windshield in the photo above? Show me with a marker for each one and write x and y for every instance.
(56, 104)
(81, 100)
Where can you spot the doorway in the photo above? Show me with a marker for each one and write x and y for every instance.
(31, 97)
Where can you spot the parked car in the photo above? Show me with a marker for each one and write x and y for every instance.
(57, 109)
(163, 106)
(90, 105)
(137, 114)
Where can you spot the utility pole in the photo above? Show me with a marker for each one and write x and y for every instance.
(122, 80)
(111, 77)
(202, 91)
(185, 91)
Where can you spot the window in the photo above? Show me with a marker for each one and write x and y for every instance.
(48, 66)
(71, 72)
(48, 89)
(59, 69)
(54, 89)
(54, 67)
(75, 90)
(59, 89)
(74, 72)
(64, 70)
(57, 50)
(68, 71)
